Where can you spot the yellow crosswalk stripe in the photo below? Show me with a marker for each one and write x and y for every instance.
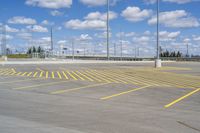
(65, 75)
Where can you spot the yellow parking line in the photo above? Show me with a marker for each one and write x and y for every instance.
(17, 81)
(52, 74)
(182, 98)
(41, 74)
(40, 85)
(72, 75)
(59, 75)
(47, 75)
(65, 75)
(85, 76)
(122, 93)
(75, 89)
(30, 73)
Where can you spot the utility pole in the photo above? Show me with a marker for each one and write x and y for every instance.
(158, 61)
(108, 36)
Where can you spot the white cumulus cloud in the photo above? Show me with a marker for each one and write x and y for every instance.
(52, 4)
(176, 19)
(37, 28)
(94, 20)
(135, 14)
(22, 20)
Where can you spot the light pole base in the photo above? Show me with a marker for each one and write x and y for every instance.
(158, 63)
(5, 58)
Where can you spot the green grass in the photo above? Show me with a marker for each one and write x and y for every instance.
(18, 56)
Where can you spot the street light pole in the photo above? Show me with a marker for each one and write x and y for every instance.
(158, 60)
(108, 36)
(72, 49)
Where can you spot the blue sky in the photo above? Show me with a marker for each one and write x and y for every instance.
(28, 23)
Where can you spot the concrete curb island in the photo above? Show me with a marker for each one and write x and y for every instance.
(71, 62)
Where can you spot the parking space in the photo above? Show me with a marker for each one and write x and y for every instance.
(135, 87)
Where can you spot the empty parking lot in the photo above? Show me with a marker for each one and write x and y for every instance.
(100, 98)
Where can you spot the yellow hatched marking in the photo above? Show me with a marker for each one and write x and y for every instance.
(78, 75)
(128, 78)
(105, 76)
(85, 76)
(19, 73)
(75, 89)
(93, 76)
(52, 75)
(166, 80)
(131, 79)
(5, 72)
(65, 75)
(71, 75)
(182, 98)
(35, 74)
(24, 74)
(39, 69)
(13, 70)
(47, 75)
(113, 75)
(123, 93)
(13, 73)
(144, 79)
(59, 75)
(30, 74)
(41, 74)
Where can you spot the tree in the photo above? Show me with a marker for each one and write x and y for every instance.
(39, 49)
(34, 49)
(29, 51)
